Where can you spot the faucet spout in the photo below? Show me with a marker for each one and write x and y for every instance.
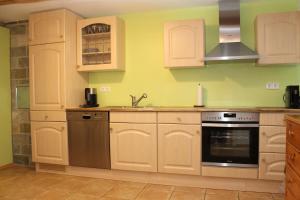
(135, 102)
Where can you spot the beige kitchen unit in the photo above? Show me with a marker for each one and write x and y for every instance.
(278, 38)
(133, 141)
(100, 44)
(50, 141)
(179, 142)
(54, 81)
(184, 43)
(272, 144)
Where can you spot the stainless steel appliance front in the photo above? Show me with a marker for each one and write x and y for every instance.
(88, 134)
(230, 139)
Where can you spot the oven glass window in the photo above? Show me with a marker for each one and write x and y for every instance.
(230, 143)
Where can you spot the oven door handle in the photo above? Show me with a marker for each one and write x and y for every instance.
(229, 125)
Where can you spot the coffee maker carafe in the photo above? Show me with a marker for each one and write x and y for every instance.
(90, 98)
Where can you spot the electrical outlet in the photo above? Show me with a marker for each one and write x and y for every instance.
(105, 89)
(272, 86)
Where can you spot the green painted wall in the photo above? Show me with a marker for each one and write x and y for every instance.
(226, 84)
(5, 100)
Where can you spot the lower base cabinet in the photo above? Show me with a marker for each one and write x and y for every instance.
(179, 149)
(271, 166)
(133, 146)
(50, 142)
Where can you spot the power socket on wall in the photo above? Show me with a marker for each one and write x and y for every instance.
(105, 89)
(272, 86)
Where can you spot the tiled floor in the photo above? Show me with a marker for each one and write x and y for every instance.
(23, 184)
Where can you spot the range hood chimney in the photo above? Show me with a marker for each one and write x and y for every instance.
(230, 46)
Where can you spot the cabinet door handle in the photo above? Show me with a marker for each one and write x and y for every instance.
(291, 133)
(290, 180)
(179, 119)
(198, 132)
(111, 129)
(46, 117)
(62, 106)
(264, 133)
(61, 36)
(263, 160)
(292, 156)
(62, 128)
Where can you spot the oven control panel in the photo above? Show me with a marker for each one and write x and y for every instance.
(230, 116)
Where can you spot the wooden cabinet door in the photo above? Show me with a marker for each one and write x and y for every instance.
(272, 139)
(50, 142)
(133, 146)
(278, 38)
(47, 76)
(271, 166)
(184, 43)
(179, 148)
(47, 27)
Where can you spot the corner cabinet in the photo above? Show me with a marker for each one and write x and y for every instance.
(184, 43)
(50, 142)
(100, 44)
(278, 38)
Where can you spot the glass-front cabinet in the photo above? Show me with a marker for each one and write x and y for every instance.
(100, 44)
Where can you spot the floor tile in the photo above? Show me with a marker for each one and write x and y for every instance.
(131, 184)
(71, 185)
(212, 194)
(160, 187)
(54, 194)
(82, 197)
(97, 187)
(157, 194)
(194, 190)
(184, 195)
(254, 196)
(123, 192)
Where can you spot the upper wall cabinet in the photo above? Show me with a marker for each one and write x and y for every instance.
(47, 27)
(184, 43)
(278, 38)
(100, 44)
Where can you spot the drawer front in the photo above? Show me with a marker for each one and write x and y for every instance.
(273, 119)
(133, 117)
(179, 117)
(271, 166)
(52, 116)
(293, 157)
(272, 139)
(292, 182)
(293, 134)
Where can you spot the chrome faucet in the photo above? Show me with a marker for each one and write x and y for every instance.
(134, 102)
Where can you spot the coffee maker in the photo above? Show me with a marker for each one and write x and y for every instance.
(291, 96)
(90, 98)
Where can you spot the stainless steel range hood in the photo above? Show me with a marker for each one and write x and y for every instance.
(230, 46)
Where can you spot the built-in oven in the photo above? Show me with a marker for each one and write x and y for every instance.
(230, 139)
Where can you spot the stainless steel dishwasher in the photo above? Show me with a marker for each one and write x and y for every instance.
(88, 135)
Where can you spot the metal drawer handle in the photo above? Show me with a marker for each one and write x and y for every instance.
(264, 133)
(46, 116)
(292, 157)
(291, 133)
(62, 128)
(198, 132)
(179, 119)
(61, 36)
(263, 160)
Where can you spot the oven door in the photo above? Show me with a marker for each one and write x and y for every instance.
(230, 144)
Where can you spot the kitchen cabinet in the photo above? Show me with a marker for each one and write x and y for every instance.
(272, 139)
(49, 142)
(293, 158)
(48, 27)
(133, 146)
(184, 43)
(179, 148)
(278, 37)
(272, 144)
(271, 166)
(55, 83)
(100, 44)
(47, 77)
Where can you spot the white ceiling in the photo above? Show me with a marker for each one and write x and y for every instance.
(94, 8)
